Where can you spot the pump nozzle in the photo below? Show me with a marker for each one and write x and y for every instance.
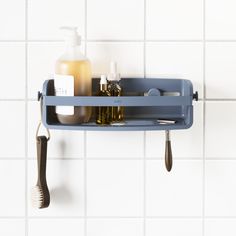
(72, 38)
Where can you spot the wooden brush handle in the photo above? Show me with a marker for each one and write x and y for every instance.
(42, 163)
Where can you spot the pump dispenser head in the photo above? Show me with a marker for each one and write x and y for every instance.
(113, 75)
(103, 79)
(72, 38)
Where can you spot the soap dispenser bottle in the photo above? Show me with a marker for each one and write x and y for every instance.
(115, 89)
(72, 78)
(103, 113)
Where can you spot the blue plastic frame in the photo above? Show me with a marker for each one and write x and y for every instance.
(142, 111)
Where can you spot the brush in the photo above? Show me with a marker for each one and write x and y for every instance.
(40, 193)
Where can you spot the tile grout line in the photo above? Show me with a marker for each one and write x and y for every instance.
(119, 159)
(117, 217)
(85, 132)
(204, 118)
(26, 119)
(144, 133)
(121, 40)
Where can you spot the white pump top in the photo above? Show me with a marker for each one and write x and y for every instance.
(72, 38)
(103, 79)
(113, 75)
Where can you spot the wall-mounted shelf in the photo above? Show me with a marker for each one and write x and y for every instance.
(141, 112)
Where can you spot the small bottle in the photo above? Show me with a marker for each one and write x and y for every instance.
(115, 89)
(103, 113)
(73, 78)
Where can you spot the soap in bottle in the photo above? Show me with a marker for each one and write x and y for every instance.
(103, 113)
(115, 89)
(73, 78)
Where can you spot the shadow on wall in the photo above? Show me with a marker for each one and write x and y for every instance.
(61, 195)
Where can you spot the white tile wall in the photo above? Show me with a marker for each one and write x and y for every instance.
(220, 188)
(112, 19)
(114, 188)
(178, 193)
(220, 70)
(60, 227)
(12, 182)
(12, 227)
(47, 16)
(174, 20)
(170, 227)
(122, 189)
(115, 227)
(12, 59)
(221, 127)
(220, 19)
(218, 227)
(12, 19)
(115, 145)
(12, 123)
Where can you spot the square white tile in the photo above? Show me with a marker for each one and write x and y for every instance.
(41, 64)
(129, 57)
(12, 182)
(12, 20)
(59, 227)
(115, 144)
(12, 61)
(184, 143)
(63, 143)
(66, 185)
(111, 19)
(182, 19)
(170, 227)
(12, 126)
(114, 188)
(220, 129)
(220, 19)
(175, 193)
(219, 227)
(220, 192)
(12, 227)
(115, 227)
(182, 60)
(45, 17)
(220, 70)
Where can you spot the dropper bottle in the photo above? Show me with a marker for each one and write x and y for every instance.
(115, 89)
(103, 113)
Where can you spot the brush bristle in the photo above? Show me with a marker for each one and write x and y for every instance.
(37, 197)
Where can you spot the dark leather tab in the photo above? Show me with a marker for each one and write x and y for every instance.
(168, 155)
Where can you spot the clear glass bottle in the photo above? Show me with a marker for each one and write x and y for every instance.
(73, 77)
(103, 113)
(115, 89)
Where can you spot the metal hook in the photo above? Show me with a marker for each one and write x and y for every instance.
(40, 122)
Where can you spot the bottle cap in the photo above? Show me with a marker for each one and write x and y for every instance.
(103, 79)
(113, 75)
(72, 38)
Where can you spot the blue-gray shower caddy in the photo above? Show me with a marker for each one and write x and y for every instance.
(141, 112)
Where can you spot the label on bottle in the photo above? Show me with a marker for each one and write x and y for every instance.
(64, 86)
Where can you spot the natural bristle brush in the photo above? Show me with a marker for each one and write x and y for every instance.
(40, 193)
